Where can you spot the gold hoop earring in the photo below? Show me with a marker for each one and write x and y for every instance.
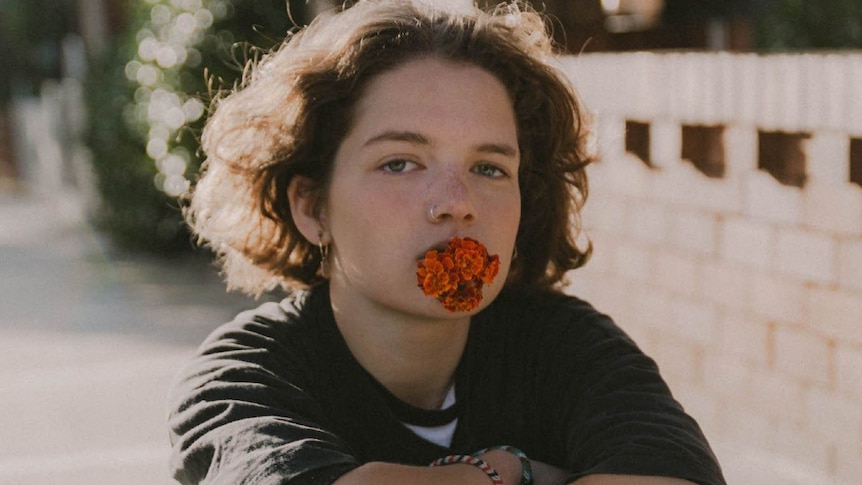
(324, 256)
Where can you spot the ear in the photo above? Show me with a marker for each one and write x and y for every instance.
(303, 208)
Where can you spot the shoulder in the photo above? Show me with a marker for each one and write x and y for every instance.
(276, 340)
(554, 330)
(248, 405)
(552, 313)
(271, 345)
(270, 323)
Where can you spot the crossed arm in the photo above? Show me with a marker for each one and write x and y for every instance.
(508, 466)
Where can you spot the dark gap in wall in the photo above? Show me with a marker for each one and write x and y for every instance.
(782, 155)
(637, 140)
(704, 147)
(856, 161)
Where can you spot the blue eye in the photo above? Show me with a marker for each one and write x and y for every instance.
(489, 170)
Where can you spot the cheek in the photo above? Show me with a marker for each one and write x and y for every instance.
(381, 207)
(509, 212)
(505, 220)
(369, 213)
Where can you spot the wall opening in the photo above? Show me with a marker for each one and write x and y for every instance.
(637, 140)
(856, 161)
(704, 147)
(783, 155)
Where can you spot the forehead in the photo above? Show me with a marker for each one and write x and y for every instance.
(425, 92)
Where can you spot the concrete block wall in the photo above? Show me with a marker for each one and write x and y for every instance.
(746, 290)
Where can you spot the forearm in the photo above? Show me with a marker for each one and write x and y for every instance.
(507, 465)
(544, 474)
(462, 474)
(377, 472)
(629, 480)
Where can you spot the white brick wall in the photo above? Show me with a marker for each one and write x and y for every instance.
(834, 208)
(748, 243)
(665, 142)
(790, 441)
(835, 314)
(777, 397)
(695, 322)
(766, 199)
(678, 360)
(648, 223)
(740, 148)
(728, 377)
(807, 255)
(848, 371)
(727, 284)
(835, 418)
(777, 298)
(676, 273)
(803, 355)
(827, 157)
(694, 231)
(633, 262)
(747, 292)
(746, 340)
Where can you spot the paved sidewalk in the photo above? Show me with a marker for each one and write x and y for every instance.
(89, 341)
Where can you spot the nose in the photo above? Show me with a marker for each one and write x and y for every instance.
(453, 202)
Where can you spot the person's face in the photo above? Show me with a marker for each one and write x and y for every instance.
(430, 133)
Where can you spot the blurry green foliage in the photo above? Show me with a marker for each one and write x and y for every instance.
(135, 212)
(30, 35)
(784, 25)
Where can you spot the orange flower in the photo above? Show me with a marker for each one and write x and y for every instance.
(434, 277)
(490, 271)
(456, 275)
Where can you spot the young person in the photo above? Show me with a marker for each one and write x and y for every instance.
(411, 174)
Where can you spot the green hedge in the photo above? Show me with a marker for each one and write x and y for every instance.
(142, 162)
(793, 25)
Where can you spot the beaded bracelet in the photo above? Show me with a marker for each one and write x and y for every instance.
(526, 468)
(470, 460)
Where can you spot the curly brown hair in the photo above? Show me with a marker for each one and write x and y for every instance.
(294, 109)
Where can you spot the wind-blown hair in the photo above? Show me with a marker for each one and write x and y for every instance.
(296, 106)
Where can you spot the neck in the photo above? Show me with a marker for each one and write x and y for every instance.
(414, 358)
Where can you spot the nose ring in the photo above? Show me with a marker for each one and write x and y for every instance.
(432, 216)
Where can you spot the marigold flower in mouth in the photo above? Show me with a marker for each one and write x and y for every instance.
(455, 276)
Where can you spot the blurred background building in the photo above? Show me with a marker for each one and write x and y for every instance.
(725, 206)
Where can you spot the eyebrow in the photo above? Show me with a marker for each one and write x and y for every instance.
(419, 139)
(392, 135)
(498, 148)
